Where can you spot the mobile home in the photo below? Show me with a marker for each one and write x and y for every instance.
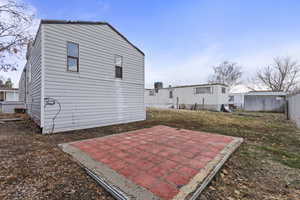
(9, 100)
(201, 96)
(9, 94)
(80, 75)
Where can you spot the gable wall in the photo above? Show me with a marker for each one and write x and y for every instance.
(93, 96)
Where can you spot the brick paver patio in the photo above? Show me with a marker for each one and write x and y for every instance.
(160, 159)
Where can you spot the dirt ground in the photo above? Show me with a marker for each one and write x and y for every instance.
(267, 165)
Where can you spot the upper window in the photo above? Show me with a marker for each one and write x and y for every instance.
(223, 90)
(118, 66)
(203, 90)
(73, 57)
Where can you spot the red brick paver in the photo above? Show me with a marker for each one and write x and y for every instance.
(160, 159)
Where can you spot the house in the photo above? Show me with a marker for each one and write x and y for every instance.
(9, 94)
(265, 101)
(9, 100)
(201, 96)
(82, 74)
(236, 100)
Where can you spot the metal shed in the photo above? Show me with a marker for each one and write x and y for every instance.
(265, 101)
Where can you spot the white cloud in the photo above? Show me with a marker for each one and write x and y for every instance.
(176, 71)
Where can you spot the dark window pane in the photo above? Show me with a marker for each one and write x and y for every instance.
(72, 49)
(72, 64)
(119, 73)
(171, 94)
(223, 90)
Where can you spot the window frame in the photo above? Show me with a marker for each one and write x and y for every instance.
(223, 90)
(118, 67)
(73, 57)
(171, 94)
(197, 88)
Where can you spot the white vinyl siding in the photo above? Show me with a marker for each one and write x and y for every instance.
(211, 96)
(22, 88)
(93, 96)
(30, 81)
(35, 79)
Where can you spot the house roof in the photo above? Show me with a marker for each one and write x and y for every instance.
(197, 85)
(46, 21)
(266, 93)
(8, 89)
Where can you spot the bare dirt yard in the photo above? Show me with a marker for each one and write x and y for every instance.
(266, 166)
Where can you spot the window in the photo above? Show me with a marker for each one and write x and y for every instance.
(223, 90)
(73, 57)
(203, 90)
(231, 98)
(171, 94)
(151, 92)
(118, 66)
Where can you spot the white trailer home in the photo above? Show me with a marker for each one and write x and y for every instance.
(9, 100)
(81, 75)
(202, 96)
(9, 94)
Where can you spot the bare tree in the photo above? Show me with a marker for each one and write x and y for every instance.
(282, 75)
(15, 31)
(5, 83)
(228, 73)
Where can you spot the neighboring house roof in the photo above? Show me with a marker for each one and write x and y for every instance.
(44, 21)
(198, 85)
(266, 93)
(237, 93)
(8, 89)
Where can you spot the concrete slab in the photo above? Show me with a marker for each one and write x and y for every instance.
(158, 163)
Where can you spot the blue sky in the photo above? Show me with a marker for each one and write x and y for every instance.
(182, 40)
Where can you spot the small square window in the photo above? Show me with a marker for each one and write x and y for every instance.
(72, 57)
(118, 66)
